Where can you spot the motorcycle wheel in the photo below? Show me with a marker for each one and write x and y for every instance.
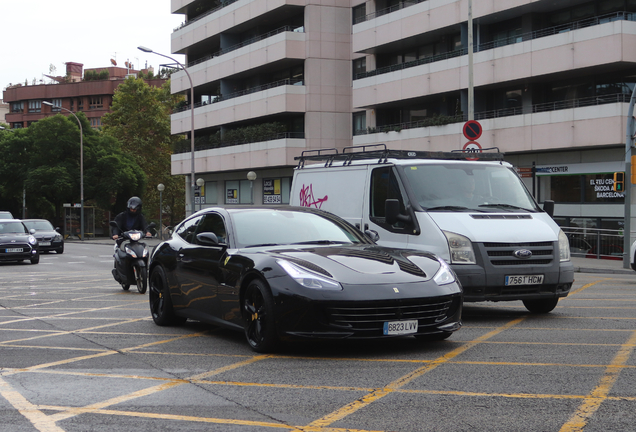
(142, 279)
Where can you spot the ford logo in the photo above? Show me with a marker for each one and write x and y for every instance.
(522, 253)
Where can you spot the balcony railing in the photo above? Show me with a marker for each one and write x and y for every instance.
(242, 93)
(185, 147)
(504, 112)
(203, 15)
(388, 10)
(247, 42)
(602, 19)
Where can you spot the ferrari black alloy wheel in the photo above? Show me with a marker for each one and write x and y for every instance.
(160, 302)
(258, 310)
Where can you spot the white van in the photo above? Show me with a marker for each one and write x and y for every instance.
(476, 214)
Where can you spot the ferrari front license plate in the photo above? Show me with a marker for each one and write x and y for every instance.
(400, 327)
(10, 250)
(524, 280)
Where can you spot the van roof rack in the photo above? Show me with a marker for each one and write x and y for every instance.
(382, 153)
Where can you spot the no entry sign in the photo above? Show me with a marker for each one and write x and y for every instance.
(472, 130)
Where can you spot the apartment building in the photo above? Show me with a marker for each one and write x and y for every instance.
(90, 91)
(552, 84)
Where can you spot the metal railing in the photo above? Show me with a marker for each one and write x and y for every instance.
(203, 15)
(246, 43)
(595, 243)
(250, 90)
(185, 148)
(381, 12)
(503, 112)
(601, 19)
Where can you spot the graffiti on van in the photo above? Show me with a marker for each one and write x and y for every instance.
(307, 198)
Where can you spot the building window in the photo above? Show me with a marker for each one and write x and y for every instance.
(210, 193)
(580, 189)
(96, 102)
(276, 190)
(35, 106)
(96, 122)
(359, 122)
(16, 125)
(80, 104)
(359, 66)
(359, 12)
(237, 192)
(57, 105)
(17, 107)
(72, 103)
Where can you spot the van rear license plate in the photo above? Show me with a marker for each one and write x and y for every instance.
(524, 280)
(400, 327)
(13, 250)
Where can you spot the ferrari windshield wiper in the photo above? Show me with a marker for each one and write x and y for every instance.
(319, 242)
(507, 206)
(262, 245)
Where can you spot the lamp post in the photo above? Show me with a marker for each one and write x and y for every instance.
(251, 176)
(200, 183)
(160, 188)
(148, 50)
(81, 166)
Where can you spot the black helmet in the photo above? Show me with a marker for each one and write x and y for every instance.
(134, 203)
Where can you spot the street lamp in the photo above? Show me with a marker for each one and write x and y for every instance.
(148, 50)
(200, 182)
(81, 166)
(251, 176)
(160, 188)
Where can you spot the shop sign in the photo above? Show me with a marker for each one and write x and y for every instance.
(271, 191)
(604, 188)
(232, 196)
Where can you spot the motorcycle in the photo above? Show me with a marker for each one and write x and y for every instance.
(131, 259)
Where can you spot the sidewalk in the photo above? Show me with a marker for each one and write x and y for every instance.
(581, 265)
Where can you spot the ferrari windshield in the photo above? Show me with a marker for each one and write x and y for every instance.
(468, 187)
(264, 227)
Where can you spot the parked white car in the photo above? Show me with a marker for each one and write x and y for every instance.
(632, 251)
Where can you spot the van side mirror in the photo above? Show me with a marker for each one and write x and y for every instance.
(548, 207)
(392, 213)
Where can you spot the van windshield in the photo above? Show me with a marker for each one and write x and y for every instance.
(468, 187)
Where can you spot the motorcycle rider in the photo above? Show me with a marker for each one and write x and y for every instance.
(131, 219)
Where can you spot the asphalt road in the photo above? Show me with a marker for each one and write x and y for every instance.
(77, 353)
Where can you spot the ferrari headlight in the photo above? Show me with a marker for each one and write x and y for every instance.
(131, 252)
(307, 278)
(461, 249)
(564, 246)
(32, 240)
(444, 275)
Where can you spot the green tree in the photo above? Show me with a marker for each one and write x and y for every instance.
(44, 159)
(140, 121)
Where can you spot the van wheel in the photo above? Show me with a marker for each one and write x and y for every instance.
(541, 306)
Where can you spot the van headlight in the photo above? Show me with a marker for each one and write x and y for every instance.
(461, 249)
(309, 279)
(564, 246)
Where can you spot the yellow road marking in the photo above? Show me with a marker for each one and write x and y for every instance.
(593, 401)
(400, 382)
(586, 286)
(39, 420)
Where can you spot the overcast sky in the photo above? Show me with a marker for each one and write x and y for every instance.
(39, 33)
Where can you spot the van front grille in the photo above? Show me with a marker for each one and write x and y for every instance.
(503, 254)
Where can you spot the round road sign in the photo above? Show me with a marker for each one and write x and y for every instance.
(472, 130)
(472, 147)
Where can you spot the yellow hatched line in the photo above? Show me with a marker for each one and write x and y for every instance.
(72, 412)
(400, 382)
(38, 419)
(593, 401)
